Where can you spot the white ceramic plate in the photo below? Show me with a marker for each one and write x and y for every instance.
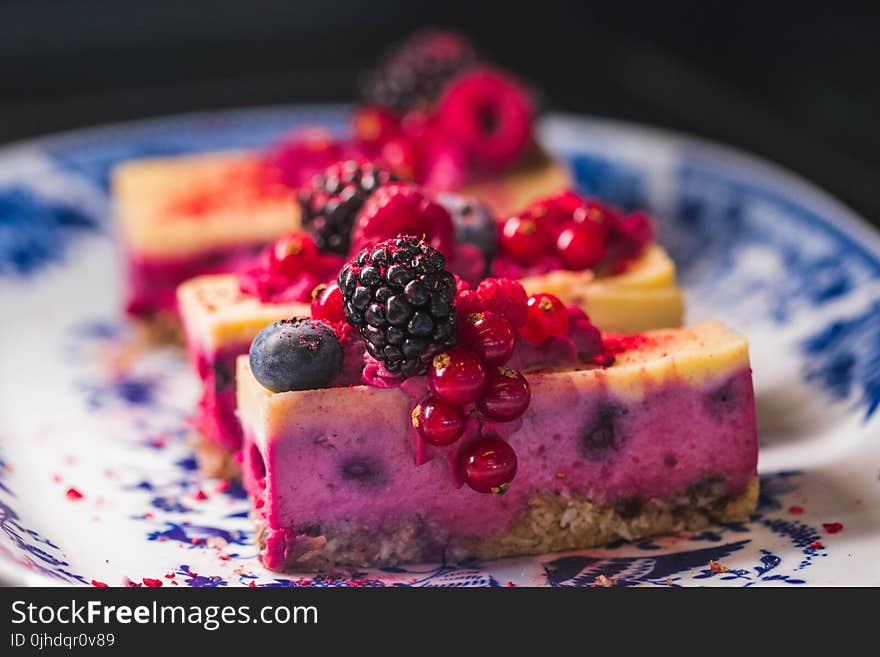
(81, 413)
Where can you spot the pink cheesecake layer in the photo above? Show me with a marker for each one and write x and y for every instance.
(215, 418)
(334, 466)
(152, 282)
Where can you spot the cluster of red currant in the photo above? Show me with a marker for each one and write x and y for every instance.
(569, 231)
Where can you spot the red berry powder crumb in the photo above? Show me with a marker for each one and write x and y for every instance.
(100, 585)
(223, 486)
(152, 583)
(252, 584)
(832, 527)
(201, 496)
(73, 494)
(796, 510)
(816, 544)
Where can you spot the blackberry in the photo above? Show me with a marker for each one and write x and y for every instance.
(399, 296)
(414, 74)
(334, 196)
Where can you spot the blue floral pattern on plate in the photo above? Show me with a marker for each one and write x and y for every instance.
(98, 484)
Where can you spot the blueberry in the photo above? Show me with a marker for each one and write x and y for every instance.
(474, 222)
(602, 436)
(295, 354)
(363, 470)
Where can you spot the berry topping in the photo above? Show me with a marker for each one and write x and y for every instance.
(630, 236)
(295, 354)
(399, 297)
(547, 318)
(292, 253)
(503, 296)
(373, 126)
(581, 246)
(506, 395)
(330, 202)
(474, 222)
(489, 114)
(288, 270)
(327, 304)
(414, 73)
(489, 336)
(524, 238)
(437, 422)
(489, 465)
(403, 209)
(298, 157)
(404, 155)
(456, 376)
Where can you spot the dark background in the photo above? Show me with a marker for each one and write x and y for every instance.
(793, 83)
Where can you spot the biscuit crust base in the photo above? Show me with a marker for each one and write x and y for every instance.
(552, 523)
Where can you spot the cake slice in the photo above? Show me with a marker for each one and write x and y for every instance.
(220, 321)
(188, 215)
(663, 439)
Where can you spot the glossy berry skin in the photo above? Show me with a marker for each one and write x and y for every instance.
(506, 395)
(490, 115)
(581, 246)
(333, 197)
(489, 465)
(292, 253)
(523, 238)
(399, 296)
(489, 336)
(456, 376)
(474, 222)
(295, 354)
(327, 303)
(437, 422)
(547, 318)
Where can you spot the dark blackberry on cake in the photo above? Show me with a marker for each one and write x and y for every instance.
(414, 74)
(334, 196)
(399, 296)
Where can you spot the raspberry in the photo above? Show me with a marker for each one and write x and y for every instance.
(490, 115)
(503, 296)
(399, 297)
(299, 156)
(403, 209)
(414, 73)
(334, 196)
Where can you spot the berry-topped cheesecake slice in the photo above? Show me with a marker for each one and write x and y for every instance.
(434, 112)
(221, 314)
(487, 425)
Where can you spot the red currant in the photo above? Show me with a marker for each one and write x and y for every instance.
(327, 303)
(437, 422)
(291, 254)
(591, 211)
(547, 318)
(581, 246)
(489, 336)
(523, 238)
(489, 465)
(456, 376)
(506, 395)
(404, 157)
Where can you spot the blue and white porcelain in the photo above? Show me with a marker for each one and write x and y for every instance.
(82, 412)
